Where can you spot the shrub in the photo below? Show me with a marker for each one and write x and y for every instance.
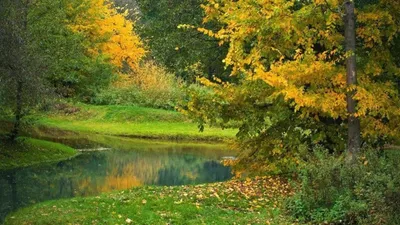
(150, 86)
(333, 192)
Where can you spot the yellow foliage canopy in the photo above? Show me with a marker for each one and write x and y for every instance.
(108, 32)
(297, 48)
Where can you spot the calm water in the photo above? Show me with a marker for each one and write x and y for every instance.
(128, 163)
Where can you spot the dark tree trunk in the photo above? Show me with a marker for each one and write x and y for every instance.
(354, 137)
(18, 112)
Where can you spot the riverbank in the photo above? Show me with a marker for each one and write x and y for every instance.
(129, 121)
(250, 201)
(71, 120)
(29, 151)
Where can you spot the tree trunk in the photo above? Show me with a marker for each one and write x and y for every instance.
(18, 112)
(354, 137)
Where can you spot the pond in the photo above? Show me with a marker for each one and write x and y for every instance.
(121, 164)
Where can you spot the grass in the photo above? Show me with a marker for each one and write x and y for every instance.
(131, 121)
(28, 151)
(250, 201)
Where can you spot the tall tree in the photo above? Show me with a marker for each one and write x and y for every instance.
(301, 50)
(21, 83)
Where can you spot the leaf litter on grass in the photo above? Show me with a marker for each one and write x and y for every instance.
(248, 201)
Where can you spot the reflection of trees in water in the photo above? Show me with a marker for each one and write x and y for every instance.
(214, 171)
(125, 169)
(198, 171)
(114, 180)
(166, 168)
(91, 174)
(19, 188)
(13, 185)
(8, 194)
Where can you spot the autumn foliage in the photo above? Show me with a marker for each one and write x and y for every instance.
(296, 47)
(107, 31)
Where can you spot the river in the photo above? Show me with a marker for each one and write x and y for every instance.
(109, 164)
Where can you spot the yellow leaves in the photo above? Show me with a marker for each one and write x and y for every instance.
(109, 32)
(206, 82)
(379, 24)
(339, 80)
(320, 2)
(300, 53)
(207, 32)
(178, 202)
(350, 88)
(185, 26)
(253, 194)
(276, 151)
(151, 78)
(316, 87)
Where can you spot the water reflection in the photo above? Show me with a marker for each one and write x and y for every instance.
(96, 172)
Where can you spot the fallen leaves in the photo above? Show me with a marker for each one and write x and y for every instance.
(255, 201)
(249, 195)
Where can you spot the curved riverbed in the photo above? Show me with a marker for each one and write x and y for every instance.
(122, 164)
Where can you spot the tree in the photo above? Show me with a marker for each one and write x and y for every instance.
(186, 53)
(107, 31)
(84, 44)
(65, 61)
(21, 83)
(298, 48)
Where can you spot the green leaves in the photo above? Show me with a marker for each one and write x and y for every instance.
(68, 68)
(186, 52)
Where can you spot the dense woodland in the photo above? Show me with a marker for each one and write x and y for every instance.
(310, 87)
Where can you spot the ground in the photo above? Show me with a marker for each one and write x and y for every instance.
(250, 201)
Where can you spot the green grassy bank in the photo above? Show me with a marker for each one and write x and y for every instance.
(28, 151)
(130, 121)
(251, 201)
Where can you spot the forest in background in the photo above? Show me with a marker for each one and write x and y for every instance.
(312, 87)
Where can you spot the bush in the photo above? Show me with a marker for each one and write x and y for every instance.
(150, 86)
(333, 192)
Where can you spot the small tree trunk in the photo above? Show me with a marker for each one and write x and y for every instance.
(354, 137)
(18, 112)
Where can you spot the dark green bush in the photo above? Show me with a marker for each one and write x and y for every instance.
(333, 192)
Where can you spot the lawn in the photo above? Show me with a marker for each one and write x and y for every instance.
(130, 121)
(250, 201)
